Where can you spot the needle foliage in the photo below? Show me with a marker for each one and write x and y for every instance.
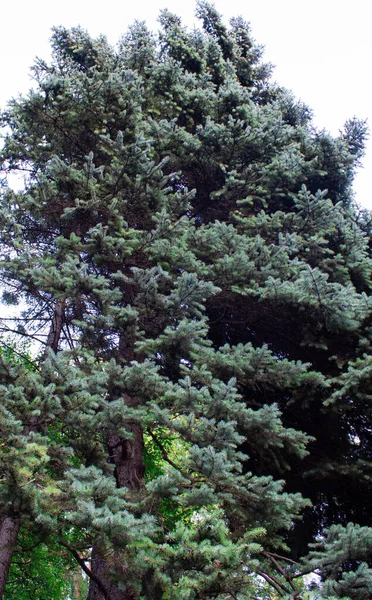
(192, 264)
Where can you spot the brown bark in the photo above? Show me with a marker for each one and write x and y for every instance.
(55, 330)
(101, 570)
(76, 580)
(9, 528)
(127, 456)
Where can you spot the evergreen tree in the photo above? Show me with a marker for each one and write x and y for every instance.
(193, 265)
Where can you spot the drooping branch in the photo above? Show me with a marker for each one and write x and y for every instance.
(275, 583)
(87, 571)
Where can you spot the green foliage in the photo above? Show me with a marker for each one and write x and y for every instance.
(42, 571)
(341, 559)
(191, 262)
(161, 449)
(205, 562)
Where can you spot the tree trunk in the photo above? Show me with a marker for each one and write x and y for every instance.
(101, 569)
(127, 455)
(9, 528)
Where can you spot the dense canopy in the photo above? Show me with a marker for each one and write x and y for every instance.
(185, 387)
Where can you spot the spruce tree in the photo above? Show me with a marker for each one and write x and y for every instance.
(191, 262)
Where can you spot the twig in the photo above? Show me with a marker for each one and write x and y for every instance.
(279, 557)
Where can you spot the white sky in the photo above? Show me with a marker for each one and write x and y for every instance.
(321, 48)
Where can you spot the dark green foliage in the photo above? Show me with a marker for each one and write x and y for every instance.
(194, 267)
(341, 558)
(42, 571)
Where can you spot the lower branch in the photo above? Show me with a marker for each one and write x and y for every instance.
(88, 571)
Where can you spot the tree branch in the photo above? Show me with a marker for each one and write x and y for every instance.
(280, 588)
(164, 452)
(87, 571)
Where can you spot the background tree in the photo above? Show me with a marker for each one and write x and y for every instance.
(190, 256)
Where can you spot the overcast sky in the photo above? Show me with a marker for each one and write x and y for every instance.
(321, 49)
